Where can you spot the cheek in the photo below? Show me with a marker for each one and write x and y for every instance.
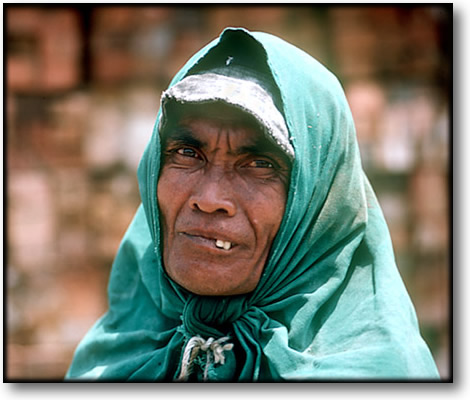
(162, 196)
(170, 197)
(267, 206)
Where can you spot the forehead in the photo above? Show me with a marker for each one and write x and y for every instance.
(216, 111)
(213, 133)
(201, 119)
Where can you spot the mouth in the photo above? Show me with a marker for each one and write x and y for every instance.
(208, 240)
(223, 244)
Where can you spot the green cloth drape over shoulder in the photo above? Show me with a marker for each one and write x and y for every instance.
(330, 303)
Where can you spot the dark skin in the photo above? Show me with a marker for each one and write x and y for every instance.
(222, 192)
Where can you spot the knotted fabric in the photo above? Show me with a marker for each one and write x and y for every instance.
(214, 349)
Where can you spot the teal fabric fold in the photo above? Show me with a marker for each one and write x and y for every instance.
(330, 304)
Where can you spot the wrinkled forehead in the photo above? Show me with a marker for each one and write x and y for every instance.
(227, 98)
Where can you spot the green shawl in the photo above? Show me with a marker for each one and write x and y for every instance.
(330, 304)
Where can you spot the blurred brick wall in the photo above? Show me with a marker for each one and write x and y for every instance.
(83, 88)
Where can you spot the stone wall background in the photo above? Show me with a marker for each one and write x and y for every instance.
(82, 91)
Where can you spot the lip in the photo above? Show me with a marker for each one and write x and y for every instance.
(207, 239)
(209, 235)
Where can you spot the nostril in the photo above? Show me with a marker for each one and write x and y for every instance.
(211, 206)
(221, 210)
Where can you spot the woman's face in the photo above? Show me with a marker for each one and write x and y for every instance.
(221, 194)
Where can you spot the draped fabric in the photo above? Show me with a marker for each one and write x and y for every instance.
(330, 304)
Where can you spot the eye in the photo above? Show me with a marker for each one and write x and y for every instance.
(182, 155)
(266, 168)
(260, 164)
(187, 152)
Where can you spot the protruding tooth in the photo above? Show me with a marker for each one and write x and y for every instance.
(222, 244)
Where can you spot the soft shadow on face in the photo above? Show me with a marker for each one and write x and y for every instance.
(222, 194)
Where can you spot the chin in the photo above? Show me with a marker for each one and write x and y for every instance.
(213, 286)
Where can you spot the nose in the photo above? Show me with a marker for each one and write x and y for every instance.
(213, 194)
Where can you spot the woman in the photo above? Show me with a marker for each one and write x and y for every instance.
(325, 300)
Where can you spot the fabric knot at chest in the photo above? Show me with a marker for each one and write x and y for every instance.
(213, 348)
(211, 316)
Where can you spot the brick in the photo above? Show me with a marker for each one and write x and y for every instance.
(31, 221)
(61, 47)
(44, 49)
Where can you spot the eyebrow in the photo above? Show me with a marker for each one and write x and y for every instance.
(260, 146)
(181, 134)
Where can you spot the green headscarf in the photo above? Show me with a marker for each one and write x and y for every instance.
(330, 303)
